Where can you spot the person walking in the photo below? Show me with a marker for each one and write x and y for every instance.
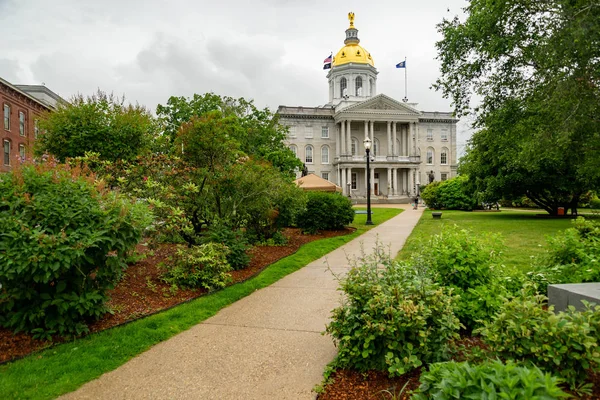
(416, 203)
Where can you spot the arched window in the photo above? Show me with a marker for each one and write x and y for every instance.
(308, 154)
(444, 156)
(325, 155)
(358, 86)
(429, 160)
(375, 147)
(294, 149)
(343, 86)
(372, 87)
(354, 146)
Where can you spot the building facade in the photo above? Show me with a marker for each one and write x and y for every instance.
(409, 147)
(21, 113)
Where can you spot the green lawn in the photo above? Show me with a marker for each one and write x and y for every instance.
(64, 368)
(523, 232)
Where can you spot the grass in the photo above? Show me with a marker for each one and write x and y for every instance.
(523, 232)
(62, 369)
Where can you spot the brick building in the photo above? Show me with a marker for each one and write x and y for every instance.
(22, 106)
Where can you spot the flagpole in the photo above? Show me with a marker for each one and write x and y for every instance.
(405, 99)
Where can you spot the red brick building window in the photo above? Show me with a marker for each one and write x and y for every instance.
(7, 117)
(36, 128)
(22, 152)
(6, 151)
(21, 123)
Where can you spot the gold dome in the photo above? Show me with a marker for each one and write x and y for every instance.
(352, 52)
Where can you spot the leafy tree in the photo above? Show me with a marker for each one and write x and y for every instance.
(99, 123)
(259, 135)
(536, 67)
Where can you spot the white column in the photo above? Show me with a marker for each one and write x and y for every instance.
(394, 149)
(389, 139)
(406, 141)
(372, 180)
(349, 138)
(337, 142)
(366, 188)
(366, 129)
(395, 180)
(372, 131)
(407, 181)
(389, 181)
(349, 180)
(413, 136)
(343, 138)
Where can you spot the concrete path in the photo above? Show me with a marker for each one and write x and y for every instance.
(267, 345)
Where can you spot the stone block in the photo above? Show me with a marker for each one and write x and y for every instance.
(570, 294)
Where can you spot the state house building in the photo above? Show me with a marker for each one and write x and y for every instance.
(409, 147)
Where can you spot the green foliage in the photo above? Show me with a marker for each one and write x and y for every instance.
(452, 194)
(236, 243)
(394, 317)
(573, 255)
(203, 266)
(534, 66)
(259, 135)
(461, 259)
(100, 123)
(490, 380)
(325, 211)
(64, 243)
(565, 344)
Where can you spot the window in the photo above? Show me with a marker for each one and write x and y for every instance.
(375, 148)
(292, 133)
(343, 87)
(430, 134)
(353, 180)
(21, 123)
(375, 175)
(308, 154)
(325, 175)
(444, 135)
(444, 176)
(325, 155)
(294, 149)
(36, 128)
(354, 146)
(324, 132)
(308, 132)
(7, 117)
(430, 156)
(22, 152)
(444, 157)
(6, 147)
(358, 86)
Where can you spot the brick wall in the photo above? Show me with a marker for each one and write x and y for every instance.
(18, 141)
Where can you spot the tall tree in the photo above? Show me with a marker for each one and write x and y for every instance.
(261, 136)
(100, 123)
(536, 67)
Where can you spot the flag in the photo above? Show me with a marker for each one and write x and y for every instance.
(327, 62)
(401, 64)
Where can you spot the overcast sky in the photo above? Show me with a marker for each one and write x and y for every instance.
(269, 50)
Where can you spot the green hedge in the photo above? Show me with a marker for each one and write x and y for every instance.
(325, 211)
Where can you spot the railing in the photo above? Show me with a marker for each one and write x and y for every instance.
(361, 158)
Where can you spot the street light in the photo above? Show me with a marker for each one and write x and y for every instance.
(367, 143)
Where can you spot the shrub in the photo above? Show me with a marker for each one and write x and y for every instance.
(203, 266)
(489, 380)
(453, 194)
(463, 260)
(235, 242)
(565, 344)
(395, 318)
(325, 211)
(63, 245)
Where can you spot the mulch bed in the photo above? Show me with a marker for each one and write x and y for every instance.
(141, 292)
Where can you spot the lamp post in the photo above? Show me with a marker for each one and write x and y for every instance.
(367, 143)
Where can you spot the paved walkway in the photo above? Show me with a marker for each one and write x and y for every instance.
(267, 345)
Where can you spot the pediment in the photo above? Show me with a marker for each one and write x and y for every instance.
(382, 103)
